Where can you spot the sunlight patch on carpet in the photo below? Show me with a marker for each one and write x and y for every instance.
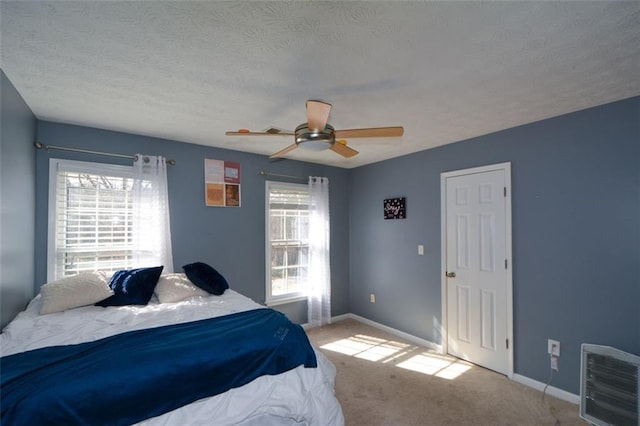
(388, 351)
(366, 347)
(436, 365)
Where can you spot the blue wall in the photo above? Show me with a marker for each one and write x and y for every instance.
(229, 239)
(576, 235)
(17, 201)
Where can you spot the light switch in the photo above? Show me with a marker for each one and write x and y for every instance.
(420, 249)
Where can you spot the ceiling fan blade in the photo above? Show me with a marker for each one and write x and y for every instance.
(284, 151)
(278, 130)
(247, 133)
(370, 132)
(343, 149)
(317, 114)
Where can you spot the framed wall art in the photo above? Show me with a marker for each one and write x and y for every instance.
(222, 183)
(395, 208)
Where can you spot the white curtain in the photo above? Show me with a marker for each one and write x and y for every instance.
(151, 225)
(319, 279)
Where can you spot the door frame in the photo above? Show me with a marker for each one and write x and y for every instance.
(506, 168)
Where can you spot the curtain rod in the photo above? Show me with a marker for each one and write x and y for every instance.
(267, 174)
(40, 145)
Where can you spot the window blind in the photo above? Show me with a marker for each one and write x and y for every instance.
(288, 234)
(93, 222)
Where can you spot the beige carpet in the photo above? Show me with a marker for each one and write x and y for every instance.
(384, 380)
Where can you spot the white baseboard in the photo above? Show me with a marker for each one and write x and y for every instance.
(558, 393)
(518, 378)
(395, 332)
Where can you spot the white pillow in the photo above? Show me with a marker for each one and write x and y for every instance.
(71, 292)
(176, 287)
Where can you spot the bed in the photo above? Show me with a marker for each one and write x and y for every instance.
(285, 391)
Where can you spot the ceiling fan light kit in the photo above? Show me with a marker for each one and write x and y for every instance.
(317, 135)
(313, 139)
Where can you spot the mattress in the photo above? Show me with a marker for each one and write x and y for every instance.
(301, 396)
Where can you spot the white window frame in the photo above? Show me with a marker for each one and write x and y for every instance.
(56, 165)
(272, 300)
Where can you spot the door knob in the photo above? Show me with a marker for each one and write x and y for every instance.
(450, 274)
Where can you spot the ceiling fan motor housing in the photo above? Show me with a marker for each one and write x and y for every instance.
(314, 139)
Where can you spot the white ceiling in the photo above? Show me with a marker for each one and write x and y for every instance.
(446, 71)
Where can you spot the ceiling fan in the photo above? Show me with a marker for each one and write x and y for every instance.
(317, 135)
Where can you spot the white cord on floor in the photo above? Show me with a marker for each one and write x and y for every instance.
(544, 391)
(548, 382)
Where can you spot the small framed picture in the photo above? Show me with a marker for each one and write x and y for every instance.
(395, 208)
(221, 183)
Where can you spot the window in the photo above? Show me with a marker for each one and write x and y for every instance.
(287, 223)
(90, 218)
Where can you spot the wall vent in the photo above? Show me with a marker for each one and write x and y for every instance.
(609, 386)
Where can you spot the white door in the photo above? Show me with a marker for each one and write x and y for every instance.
(477, 276)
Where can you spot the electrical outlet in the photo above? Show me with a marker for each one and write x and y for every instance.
(554, 362)
(420, 249)
(372, 298)
(553, 348)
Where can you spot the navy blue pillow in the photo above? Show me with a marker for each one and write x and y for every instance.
(132, 287)
(205, 277)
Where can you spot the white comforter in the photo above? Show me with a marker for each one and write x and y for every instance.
(302, 396)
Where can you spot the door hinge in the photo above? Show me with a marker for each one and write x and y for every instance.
(506, 264)
(505, 191)
(507, 342)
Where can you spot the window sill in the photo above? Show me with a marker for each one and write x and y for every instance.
(285, 300)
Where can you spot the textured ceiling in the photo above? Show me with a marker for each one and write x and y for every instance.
(446, 71)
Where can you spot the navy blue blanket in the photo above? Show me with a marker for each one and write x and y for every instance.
(132, 376)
